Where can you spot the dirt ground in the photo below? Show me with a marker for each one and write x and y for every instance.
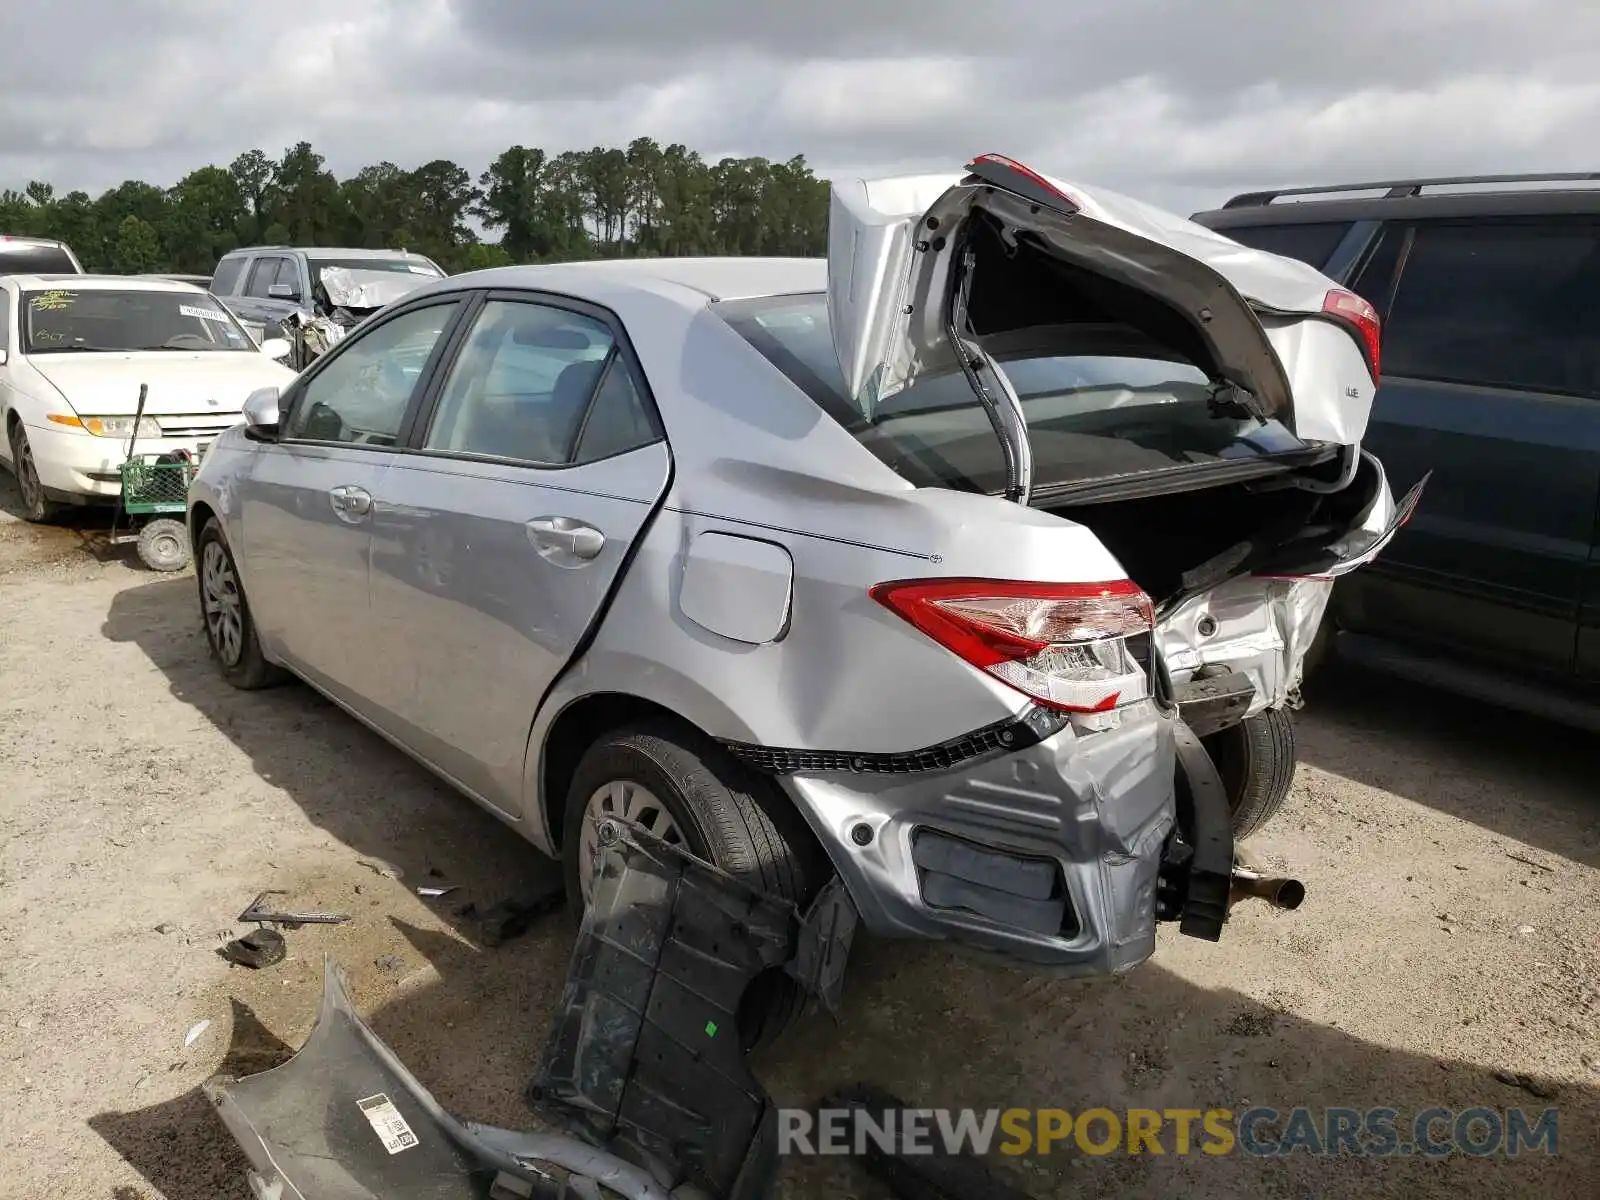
(1450, 942)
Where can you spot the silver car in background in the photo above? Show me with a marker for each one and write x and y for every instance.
(928, 566)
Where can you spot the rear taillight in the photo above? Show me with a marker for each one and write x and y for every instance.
(1362, 319)
(1063, 644)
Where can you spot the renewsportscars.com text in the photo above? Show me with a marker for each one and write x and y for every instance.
(1259, 1131)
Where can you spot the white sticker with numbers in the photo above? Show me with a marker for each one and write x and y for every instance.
(387, 1123)
(205, 314)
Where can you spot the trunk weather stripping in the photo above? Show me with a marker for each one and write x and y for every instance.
(1006, 415)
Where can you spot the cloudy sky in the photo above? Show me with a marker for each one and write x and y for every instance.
(1177, 101)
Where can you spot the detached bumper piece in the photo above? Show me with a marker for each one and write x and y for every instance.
(645, 1058)
(644, 1069)
(1196, 879)
(344, 1120)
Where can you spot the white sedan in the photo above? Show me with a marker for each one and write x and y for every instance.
(74, 352)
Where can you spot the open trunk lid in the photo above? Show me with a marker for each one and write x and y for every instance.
(926, 272)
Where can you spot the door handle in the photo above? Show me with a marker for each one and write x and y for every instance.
(350, 501)
(566, 534)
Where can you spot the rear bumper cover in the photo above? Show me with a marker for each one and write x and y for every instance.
(1048, 856)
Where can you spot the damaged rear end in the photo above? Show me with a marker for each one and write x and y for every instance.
(1193, 410)
(1197, 404)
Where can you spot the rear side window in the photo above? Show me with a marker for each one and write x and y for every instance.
(1090, 416)
(1313, 244)
(227, 276)
(1512, 305)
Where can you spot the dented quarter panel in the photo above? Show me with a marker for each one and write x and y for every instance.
(1260, 627)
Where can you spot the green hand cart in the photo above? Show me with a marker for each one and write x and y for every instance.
(155, 497)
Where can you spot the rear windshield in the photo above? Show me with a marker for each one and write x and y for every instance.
(1090, 417)
(66, 320)
(23, 259)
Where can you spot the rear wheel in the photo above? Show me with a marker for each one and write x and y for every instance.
(230, 631)
(1256, 761)
(36, 506)
(688, 793)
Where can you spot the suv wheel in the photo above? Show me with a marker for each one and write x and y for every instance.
(230, 632)
(688, 793)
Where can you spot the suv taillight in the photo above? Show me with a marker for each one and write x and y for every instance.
(1362, 319)
(1062, 644)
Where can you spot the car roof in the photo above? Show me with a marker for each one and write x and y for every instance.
(103, 283)
(17, 239)
(1413, 199)
(692, 280)
(353, 252)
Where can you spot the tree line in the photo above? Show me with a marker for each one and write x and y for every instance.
(601, 203)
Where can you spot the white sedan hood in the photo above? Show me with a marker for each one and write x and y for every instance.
(211, 381)
(892, 273)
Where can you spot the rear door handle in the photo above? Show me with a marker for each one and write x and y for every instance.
(350, 501)
(566, 534)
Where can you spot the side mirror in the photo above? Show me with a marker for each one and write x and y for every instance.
(283, 291)
(277, 347)
(261, 413)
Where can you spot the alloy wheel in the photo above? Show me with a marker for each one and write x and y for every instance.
(223, 604)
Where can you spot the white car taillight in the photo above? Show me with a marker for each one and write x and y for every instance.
(1062, 644)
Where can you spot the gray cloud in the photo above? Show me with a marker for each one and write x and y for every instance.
(1177, 102)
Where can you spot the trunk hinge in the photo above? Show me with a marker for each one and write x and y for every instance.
(1005, 414)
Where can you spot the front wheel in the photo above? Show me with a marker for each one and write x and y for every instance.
(230, 631)
(36, 506)
(685, 792)
(1256, 761)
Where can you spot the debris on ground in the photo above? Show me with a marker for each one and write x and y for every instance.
(262, 947)
(436, 891)
(1536, 1087)
(390, 962)
(165, 927)
(511, 918)
(379, 867)
(258, 913)
(195, 1031)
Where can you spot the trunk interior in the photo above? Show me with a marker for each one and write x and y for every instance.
(1164, 541)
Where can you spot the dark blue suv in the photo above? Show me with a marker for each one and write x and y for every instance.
(1489, 292)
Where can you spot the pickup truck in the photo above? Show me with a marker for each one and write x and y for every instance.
(264, 285)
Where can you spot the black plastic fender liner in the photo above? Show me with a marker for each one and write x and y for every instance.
(1207, 827)
(644, 1058)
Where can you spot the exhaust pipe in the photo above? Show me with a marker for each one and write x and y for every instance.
(1280, 893)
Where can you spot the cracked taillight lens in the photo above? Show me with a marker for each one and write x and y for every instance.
(1065, 645)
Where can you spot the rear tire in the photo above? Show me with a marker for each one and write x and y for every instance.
(36, 506)
(230, 630)
(723, 818)
(1256, 760)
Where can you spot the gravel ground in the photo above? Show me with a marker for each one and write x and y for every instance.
(1450, 942)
